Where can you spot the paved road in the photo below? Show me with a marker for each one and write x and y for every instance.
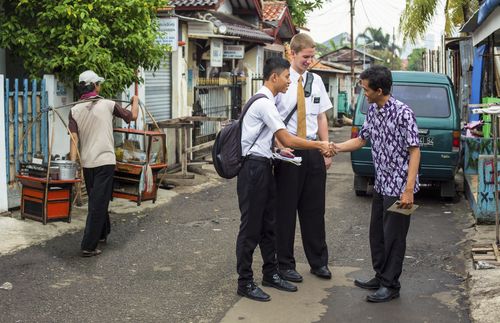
(177, 264)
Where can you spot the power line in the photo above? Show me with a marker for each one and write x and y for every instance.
(330, 9)
(364, 10)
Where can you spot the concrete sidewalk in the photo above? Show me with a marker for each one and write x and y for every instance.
(17, 234)
(484, 288)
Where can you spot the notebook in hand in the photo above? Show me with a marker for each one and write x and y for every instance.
(394, 208)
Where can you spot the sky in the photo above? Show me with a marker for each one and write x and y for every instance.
(334, 19)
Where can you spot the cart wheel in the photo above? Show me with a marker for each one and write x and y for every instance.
(138, 203)
(154, 200)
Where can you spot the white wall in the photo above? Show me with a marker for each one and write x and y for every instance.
(180, 107)
(334, 93)
(254, 60)
(226, 8)
(58, 94)
(3, 174)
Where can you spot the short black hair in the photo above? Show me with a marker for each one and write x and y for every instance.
(275, 65)
(83, 88)
(379, 77)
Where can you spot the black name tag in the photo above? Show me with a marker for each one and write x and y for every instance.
(316, 100)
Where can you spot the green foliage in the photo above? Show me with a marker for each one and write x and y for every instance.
(379, 40)
(300, 8)
(66, 37)
(380, 45)
(418, 15)
(389, 59)
(322, 49)
(415, 60)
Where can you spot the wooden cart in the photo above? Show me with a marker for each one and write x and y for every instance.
(53, 206)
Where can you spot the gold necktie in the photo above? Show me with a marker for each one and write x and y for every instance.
(301, 110)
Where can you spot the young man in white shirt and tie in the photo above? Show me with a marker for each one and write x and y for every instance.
(302, 189)
(256, 187)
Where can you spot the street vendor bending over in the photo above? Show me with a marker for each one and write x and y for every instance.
(91, 125)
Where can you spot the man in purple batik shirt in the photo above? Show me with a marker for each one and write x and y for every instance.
(391, 127)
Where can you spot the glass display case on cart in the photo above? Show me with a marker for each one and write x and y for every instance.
(140, 156)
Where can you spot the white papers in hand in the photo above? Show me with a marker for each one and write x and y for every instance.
(295, 160)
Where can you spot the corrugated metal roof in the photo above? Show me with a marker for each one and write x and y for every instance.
(323, 67)
(234, 26)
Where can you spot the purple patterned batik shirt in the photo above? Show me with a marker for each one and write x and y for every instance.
(391, 129)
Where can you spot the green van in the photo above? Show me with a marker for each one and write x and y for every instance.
(432, 98)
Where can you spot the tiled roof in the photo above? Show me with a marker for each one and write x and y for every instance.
(273, 11)
(193, 3)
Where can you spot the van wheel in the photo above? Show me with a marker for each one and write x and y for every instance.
(448, 189)
(360, 185)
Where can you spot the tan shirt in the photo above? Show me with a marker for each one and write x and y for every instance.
(93, 121)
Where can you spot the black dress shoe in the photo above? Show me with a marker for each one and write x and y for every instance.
(322, 272)
(252, 291)
(367, 284)
(291, 275)
(91, 253)
(277, 282)
(383, 294)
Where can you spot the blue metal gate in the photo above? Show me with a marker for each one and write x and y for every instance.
(26, 124)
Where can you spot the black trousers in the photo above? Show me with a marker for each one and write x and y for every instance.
(257, 198)
(388, 232)
(302, 189)
(99, 185)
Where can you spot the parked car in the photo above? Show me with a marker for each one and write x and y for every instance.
(432, 98)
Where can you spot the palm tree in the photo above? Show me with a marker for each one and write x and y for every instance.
(376, 36)
(378, 39)
(418, 15)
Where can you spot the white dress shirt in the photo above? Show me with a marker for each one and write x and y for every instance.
(262, 114)
(318, 102)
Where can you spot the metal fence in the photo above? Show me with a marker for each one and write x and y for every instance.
(257, 82)
(215, 97)
(26, 123)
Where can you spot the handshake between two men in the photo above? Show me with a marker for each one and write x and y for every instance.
(328, 149)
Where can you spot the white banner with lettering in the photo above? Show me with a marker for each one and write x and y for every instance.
(169, 27)
(216, 50)
(234, 51)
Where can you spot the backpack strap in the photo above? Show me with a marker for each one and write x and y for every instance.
(249, 103)
(307, 93)
(289, 116)
(308, 85)
(244, 111)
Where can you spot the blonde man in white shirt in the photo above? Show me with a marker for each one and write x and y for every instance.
(255, 187)
(301, 190)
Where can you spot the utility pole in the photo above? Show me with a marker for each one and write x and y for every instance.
(352, 54)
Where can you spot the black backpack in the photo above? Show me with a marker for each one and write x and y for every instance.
(226, 152)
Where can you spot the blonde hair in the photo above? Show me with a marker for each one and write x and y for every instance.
(300, 42)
